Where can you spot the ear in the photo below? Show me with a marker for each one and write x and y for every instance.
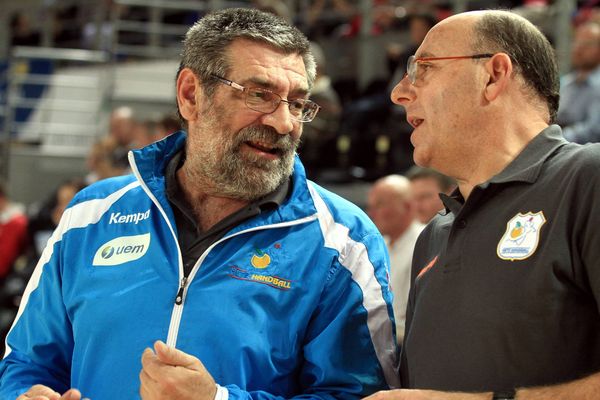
(499, 69)
(188, 87)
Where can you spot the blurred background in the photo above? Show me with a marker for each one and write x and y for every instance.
(65, 65)
(82, 82)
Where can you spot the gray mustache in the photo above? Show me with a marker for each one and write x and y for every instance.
(268, 135)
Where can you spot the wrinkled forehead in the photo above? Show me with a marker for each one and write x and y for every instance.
(450, 37)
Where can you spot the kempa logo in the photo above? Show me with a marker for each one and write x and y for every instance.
(121, 250)
(117, 218)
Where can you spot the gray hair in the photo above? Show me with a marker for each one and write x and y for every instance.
(531, 53)
(205, 43)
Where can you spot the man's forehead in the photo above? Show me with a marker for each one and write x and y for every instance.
(244, 54)
(452, 35)
(279, 73)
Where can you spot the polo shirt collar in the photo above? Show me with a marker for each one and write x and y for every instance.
(526, 167)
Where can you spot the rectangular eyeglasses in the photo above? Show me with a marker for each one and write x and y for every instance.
(414, 73)
(266, 101)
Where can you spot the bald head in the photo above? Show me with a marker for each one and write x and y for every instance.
(532, 56)
(397, 184)
(122, 125)
(389, 204)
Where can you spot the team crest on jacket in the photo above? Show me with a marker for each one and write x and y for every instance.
(521, 237)
(260, 259)
(262, 265)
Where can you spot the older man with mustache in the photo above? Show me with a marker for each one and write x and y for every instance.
(216, 270)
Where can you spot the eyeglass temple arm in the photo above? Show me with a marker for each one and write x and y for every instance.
(229, 83)
(483, 55)
(476, 56)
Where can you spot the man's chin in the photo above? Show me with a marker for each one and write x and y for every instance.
(421, 158)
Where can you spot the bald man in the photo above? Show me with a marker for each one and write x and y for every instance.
(579, 108)
(506, 284)
(390, 205)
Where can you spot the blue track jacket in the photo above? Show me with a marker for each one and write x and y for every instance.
(293, 302)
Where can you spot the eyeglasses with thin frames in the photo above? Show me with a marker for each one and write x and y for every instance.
(412, 67)
(266, 101)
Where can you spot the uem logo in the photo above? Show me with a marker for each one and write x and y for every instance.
(107, 252)
(117, 218)
(121, 250)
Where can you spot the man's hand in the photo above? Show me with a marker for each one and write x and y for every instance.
(398, 394)
(168, 373)
(41, 392)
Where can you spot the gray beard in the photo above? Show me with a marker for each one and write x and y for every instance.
(243, 176)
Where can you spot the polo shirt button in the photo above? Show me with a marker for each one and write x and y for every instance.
(462, 224)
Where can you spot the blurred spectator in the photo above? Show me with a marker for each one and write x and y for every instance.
(67, 32)
(21, 32)
(144, 133)
(579, 109)
(167, 125)
(384, 17)
(426, 185)
(13, 231)
(391, 208)
(398, 53)
(122, 131)
(319, 137)
(13, 241)
(372, 119)
(150, 131)
(102, 162)
(594, 13)
(44, 218)
(331, 17)
(121, 125)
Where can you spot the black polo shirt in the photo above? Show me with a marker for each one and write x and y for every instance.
(192, 240)
(506, 286)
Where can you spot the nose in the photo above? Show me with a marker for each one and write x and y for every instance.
(402, 92)
(280, 119)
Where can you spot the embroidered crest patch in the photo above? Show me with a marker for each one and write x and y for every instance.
(521, 237)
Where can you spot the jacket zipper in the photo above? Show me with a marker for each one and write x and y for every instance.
(179, 297)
